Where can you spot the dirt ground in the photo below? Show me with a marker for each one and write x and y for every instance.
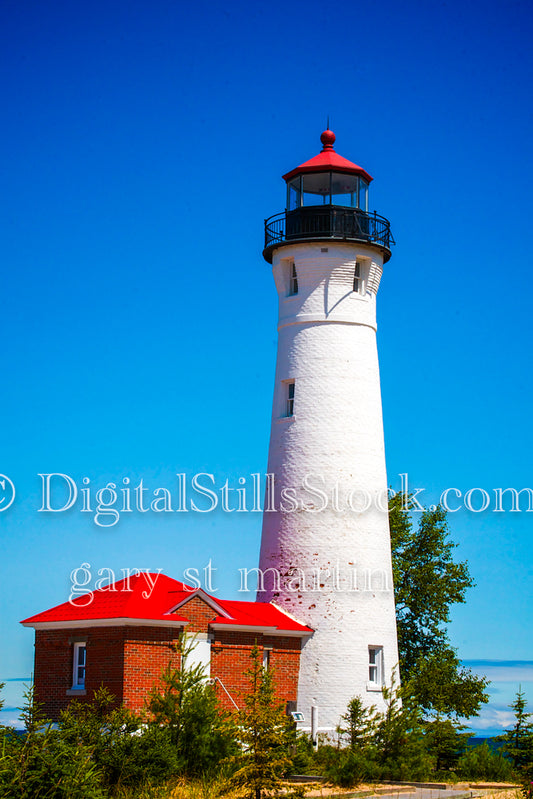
(486, 790)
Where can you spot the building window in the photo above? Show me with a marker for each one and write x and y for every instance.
(79, 665)
(293, 279)
(358, 278)
(375, 665)
(266, 658)
(289, 398)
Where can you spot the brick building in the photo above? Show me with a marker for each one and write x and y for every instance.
(123, 636)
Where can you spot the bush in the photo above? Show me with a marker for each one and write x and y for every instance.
(124, 751)
(149, 758)
(482, 763)
(350, 767)
(302, 755)
(99, 750)
(42, 764)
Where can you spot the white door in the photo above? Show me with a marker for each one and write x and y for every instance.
(200, 656)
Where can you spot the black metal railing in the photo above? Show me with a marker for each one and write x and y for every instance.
(328, 222)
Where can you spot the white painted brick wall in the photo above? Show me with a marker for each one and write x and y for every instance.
(327, 345)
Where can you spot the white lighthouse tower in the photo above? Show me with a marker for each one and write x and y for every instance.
(325, 550)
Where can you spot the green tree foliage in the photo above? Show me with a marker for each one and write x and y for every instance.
(388, 745)
(98, 750)
(125, 751)
(302, 755)
(446, 742)
(482, 763)
(358, 726)
(42, 764)
(186, 705)
(442, 686)
(427, 583)
(348, 767)
(357, 760)
(518, 741)
(265, 734)
(399, 737)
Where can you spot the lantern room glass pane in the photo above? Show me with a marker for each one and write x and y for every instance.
(316, 188)
(343, 189)
(294, 194)
(363, 195)
(324, 188)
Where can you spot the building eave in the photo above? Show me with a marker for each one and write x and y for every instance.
(258, 629)
(117, 622)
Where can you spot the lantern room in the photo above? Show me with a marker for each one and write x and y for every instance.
(327, 179)
(327, 197)
(327, 188)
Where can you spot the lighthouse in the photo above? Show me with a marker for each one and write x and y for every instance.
(325, 550)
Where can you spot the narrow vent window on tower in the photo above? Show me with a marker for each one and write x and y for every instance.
(78, 670)
(293, 279)
(358, 278)
(375, 666)
(266, 658)
(289, 397)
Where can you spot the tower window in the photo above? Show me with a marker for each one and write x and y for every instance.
(375, 665)
(289, 398)
(78, 666)
(266, 658)
(358, 278)
(293, 280)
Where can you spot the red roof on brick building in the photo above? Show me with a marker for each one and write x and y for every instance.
(156, 598)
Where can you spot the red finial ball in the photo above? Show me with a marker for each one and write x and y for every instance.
(328, 139)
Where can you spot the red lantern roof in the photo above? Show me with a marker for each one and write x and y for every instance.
(328, 160)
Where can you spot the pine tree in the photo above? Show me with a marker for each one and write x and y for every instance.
(187, 706)
(399, 737)
(43, 764)
(518, 741)
(446, 742)
(359, 724)
(265, 734)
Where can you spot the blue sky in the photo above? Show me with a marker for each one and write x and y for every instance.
(143, 147)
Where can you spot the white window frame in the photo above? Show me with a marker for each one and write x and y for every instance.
(375, 668)
(293, 279)
(289, 394)
(79, 663)
(359, 277)
(267, 652)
